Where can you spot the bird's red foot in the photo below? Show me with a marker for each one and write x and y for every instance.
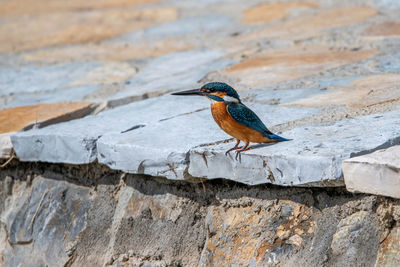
(237, 155)
(246, 147)
(227, 152)
(233, 148)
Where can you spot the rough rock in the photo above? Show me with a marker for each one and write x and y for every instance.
(30, 222)
(376, 173)
(117, 219)
(389, 250)
(352, 233)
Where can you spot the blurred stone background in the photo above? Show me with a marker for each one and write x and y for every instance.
(101, 166)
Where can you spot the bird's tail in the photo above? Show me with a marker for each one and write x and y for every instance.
(276, 137)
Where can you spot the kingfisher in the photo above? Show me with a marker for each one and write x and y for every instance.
(233, 117)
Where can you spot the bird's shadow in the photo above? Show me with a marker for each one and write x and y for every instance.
(261, 145)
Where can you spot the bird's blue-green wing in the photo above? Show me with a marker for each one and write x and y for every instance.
(247, 117)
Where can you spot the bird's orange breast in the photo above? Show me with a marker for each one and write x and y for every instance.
(230, 126)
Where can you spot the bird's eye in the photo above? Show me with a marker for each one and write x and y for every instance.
(206, 90)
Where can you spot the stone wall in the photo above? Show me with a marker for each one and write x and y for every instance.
(64, 215)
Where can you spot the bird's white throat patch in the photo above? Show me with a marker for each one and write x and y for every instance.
(212, 100)
(230, 99)
(226, 99)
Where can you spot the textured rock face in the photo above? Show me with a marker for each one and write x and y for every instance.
(352, 233)
(49, 218)
(99, 217)
(375, 173)
(389, 250)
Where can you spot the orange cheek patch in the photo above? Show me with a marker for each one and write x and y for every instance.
(219, 94)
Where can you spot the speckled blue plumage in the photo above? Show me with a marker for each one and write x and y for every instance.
(248, 118)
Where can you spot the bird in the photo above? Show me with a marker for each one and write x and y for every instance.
(233, 117)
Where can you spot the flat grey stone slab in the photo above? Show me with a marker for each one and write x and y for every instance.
(162, 149)
(376, 173)
(313, 157)
(75, 141)
(177, 138)
(153, 136)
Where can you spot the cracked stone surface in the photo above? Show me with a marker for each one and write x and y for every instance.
(314, 74)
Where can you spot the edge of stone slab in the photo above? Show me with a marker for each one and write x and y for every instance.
(5, 145)
(173, 167)
(253, 169)
(357, 184)
(267, 168)
(373, 174)
(23, 154)
(76, 114)
(58, 144)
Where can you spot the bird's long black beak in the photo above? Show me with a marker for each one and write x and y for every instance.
(189, 92)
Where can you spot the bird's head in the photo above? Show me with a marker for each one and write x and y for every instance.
(216, 91)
